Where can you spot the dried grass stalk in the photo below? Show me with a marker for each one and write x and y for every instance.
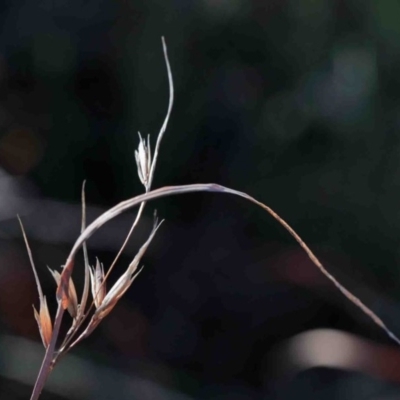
(103, 302)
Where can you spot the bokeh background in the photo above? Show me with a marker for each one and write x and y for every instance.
(295, 102)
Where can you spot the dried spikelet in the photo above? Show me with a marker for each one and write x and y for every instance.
(44, 322)
(43, 317)
(118, 289)
(143, 160)
(73, 298)
(62, 292)
(98, 285)
(125, 281)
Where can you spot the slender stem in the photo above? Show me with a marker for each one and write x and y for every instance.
(135, 222)
(165, 123)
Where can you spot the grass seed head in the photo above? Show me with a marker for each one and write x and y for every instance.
(44, 322)
(73, 298)
(143, 160)
(98, 285)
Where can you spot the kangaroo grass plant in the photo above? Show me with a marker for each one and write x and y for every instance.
(86, 316)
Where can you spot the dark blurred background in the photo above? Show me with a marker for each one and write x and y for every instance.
(295, 102)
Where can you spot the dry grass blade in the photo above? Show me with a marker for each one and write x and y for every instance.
(28, 249)
(211, 187)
